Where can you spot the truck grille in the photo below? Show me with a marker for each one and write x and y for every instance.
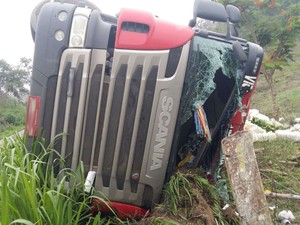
(110, 121)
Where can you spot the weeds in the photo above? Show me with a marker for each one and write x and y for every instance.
(31, 193)
(163, 221)
(190, 196)
(178, 193)
(274, 157)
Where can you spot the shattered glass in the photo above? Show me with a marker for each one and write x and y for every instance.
(207, 56)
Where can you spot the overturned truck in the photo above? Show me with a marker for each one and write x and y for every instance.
(134, 96)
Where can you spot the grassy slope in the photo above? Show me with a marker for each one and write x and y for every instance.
(288, 98)
(288, 182)
(13, 110)
(288, 92)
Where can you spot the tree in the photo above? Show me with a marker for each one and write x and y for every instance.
(275, 25)
(14, 80)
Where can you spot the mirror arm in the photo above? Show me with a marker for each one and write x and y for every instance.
(228, 32)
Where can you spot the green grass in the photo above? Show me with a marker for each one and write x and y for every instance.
(9, 130)
(31, 193)
(271, 158)
(188, 195)
(288, 98)
(12, 116)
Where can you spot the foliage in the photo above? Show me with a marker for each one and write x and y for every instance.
(182, 194)
(266, 126)
(12, 116)
(14, 79)
(275, 25)
(32, 194)
(288, 93)
(178, 192)
(163, 221)
(10, 119)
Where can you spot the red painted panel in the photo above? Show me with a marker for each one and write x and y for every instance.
(239, 119)
(161, 34)
(33, 115)
(123, 211)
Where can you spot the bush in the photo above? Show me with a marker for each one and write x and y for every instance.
(11, 119)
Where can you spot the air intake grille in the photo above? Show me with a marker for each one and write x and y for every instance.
(109, 121)
(135, 27)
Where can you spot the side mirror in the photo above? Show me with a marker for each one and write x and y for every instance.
(214, 11)
(234, 14)
(239, 52)
(210, 11)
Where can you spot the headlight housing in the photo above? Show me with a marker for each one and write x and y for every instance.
(79, 27)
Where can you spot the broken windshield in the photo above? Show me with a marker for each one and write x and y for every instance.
(207, 58)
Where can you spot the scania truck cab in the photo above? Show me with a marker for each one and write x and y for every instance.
(133, 96)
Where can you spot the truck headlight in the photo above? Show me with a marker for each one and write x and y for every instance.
(59, 35)
(76, 40)
(79, 27)
(62, 16)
